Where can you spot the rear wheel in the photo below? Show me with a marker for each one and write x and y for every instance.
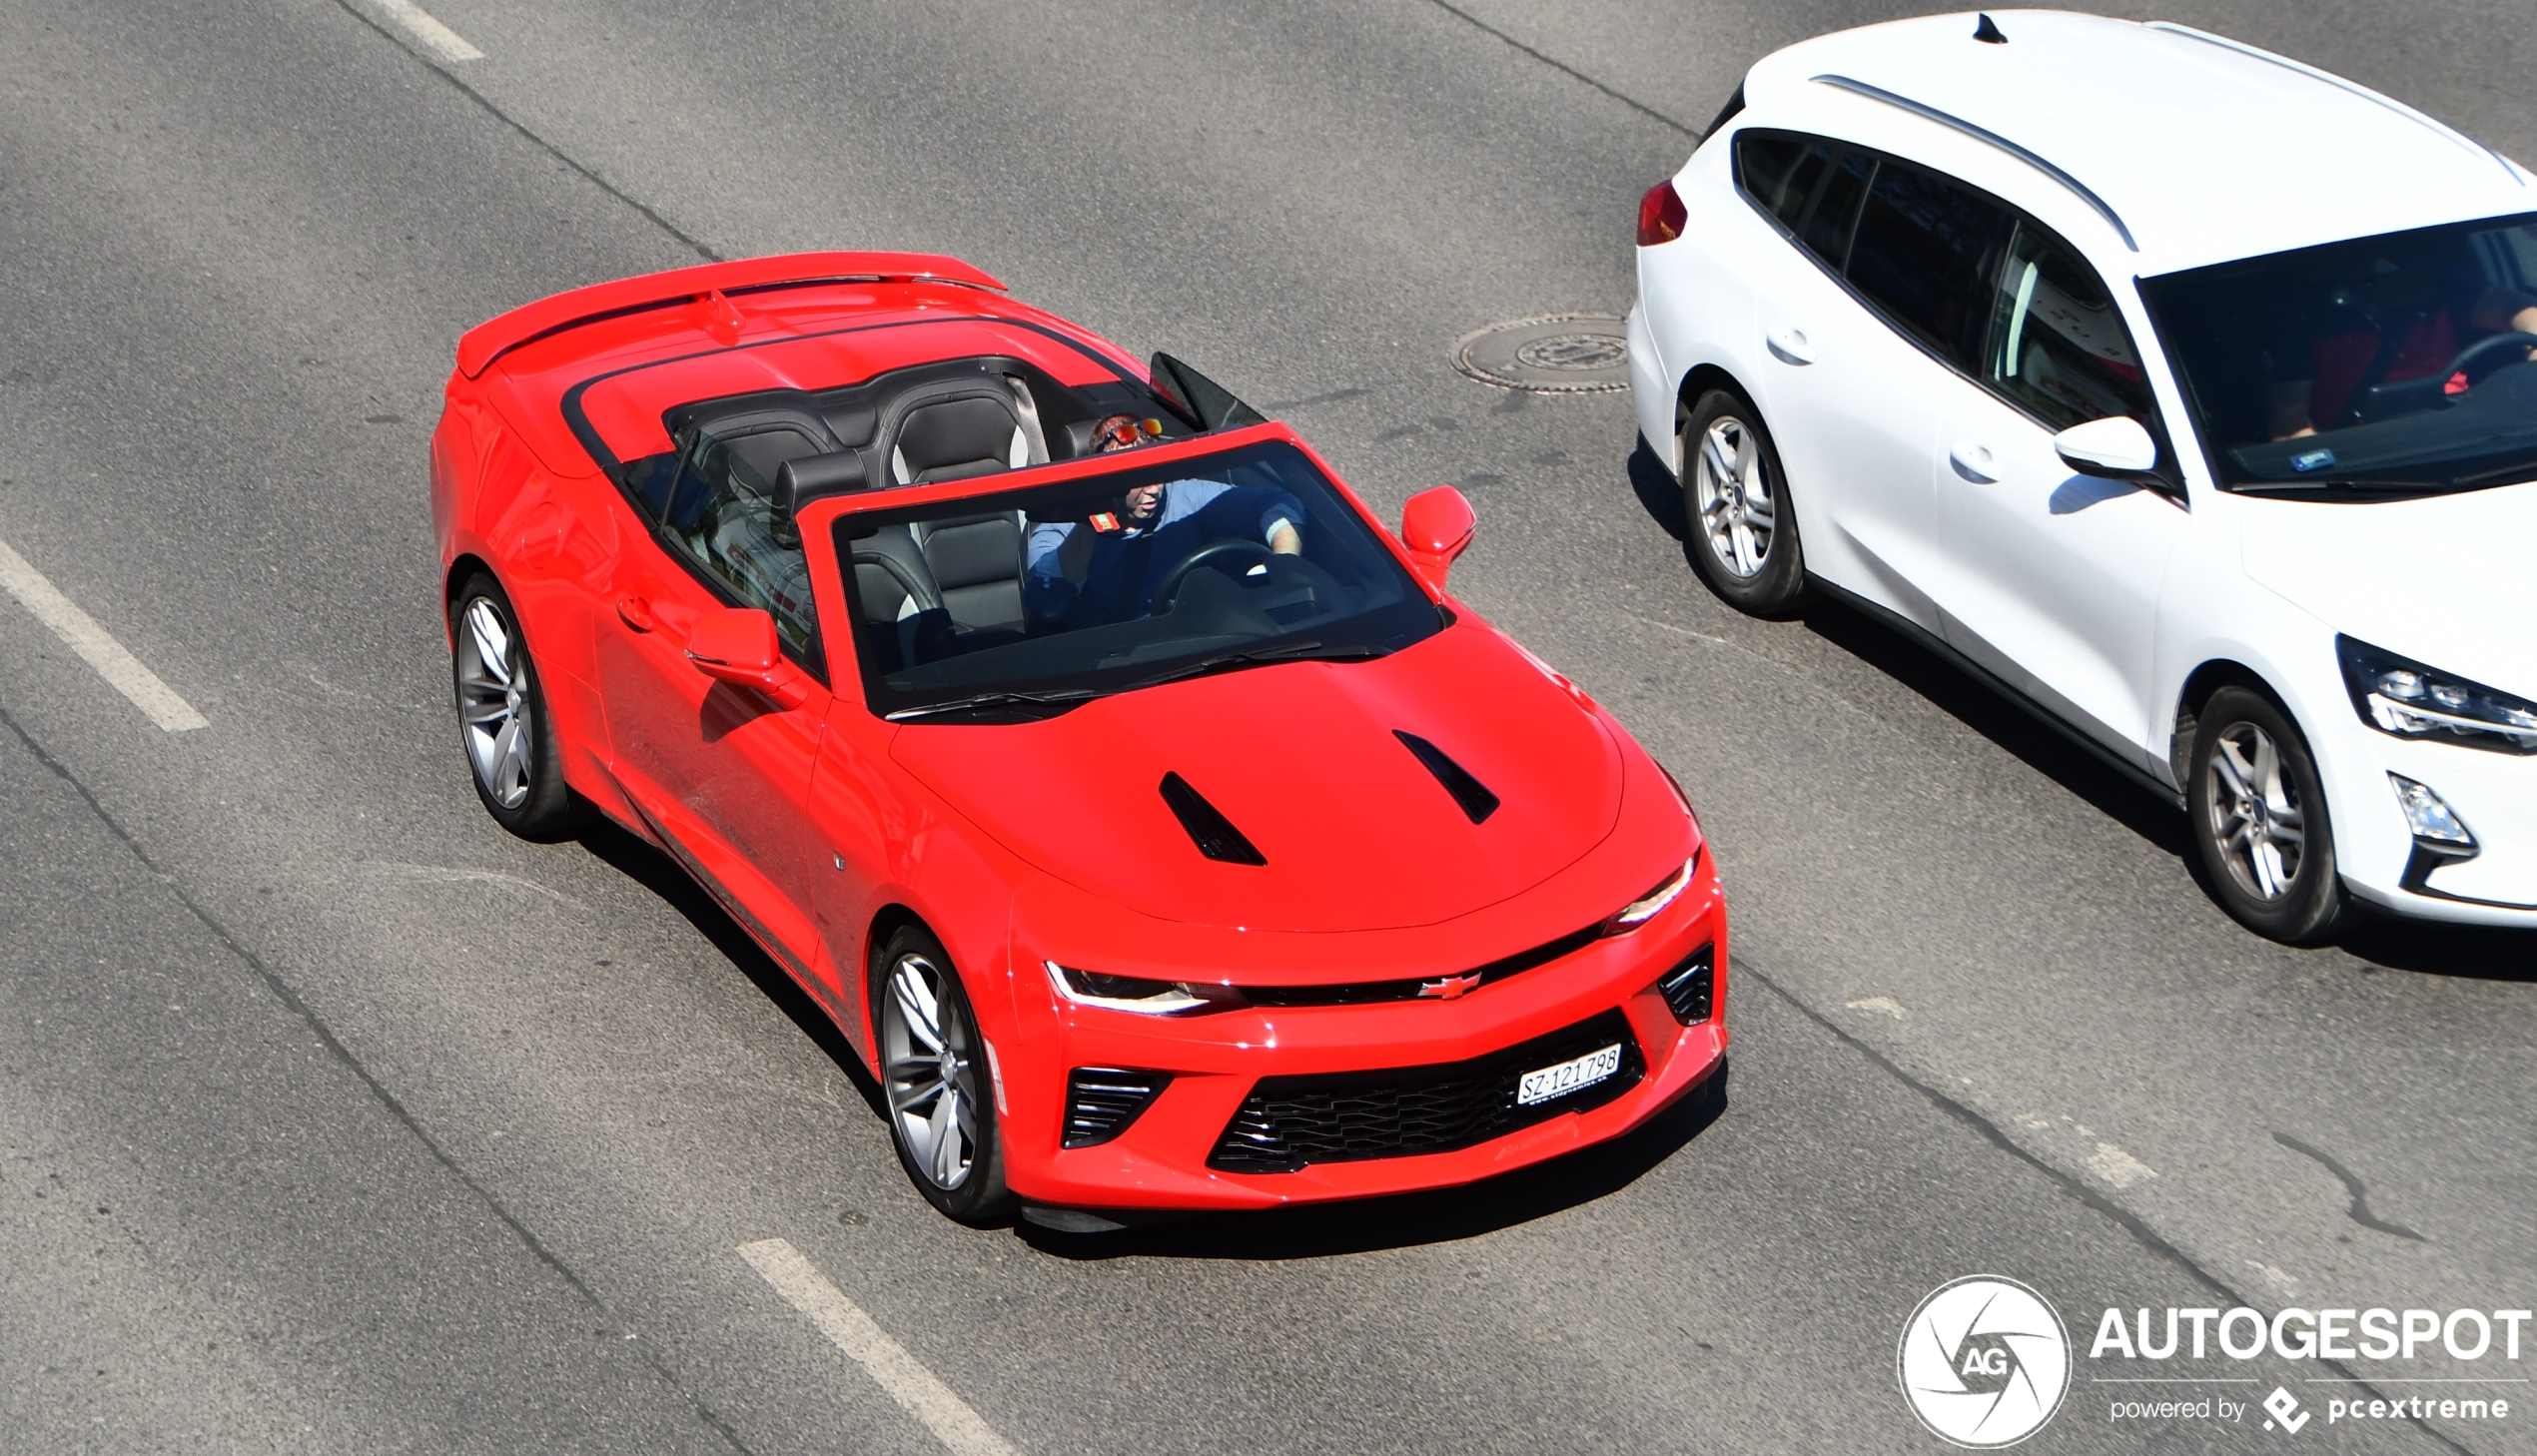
(510, 743)
(2259, 820)
(938, 1084)
(1743, 536)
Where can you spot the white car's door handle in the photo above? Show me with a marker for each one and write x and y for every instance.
(1791, 347)
(1973, 462)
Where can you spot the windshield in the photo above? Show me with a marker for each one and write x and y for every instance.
(1031, 600)
(2399, 363)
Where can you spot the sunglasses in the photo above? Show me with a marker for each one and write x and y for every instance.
(1126, 433)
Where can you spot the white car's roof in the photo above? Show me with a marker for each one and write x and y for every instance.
(2207, 151)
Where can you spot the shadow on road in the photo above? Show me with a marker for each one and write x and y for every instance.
(659, 874)
(1319, 1230)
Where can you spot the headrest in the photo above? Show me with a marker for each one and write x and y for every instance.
(800, 481)
(973, 433)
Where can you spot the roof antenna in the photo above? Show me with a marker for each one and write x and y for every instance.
(1988, 33)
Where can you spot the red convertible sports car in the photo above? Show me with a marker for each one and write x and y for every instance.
(1152, 821)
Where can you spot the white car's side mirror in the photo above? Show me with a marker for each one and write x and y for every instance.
(2116, 448)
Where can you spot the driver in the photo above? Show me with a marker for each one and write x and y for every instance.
(2394, 328)
(1106, 566)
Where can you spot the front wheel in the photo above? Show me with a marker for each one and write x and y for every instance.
(2259, 820)
(936, 1079)
(1743, 534)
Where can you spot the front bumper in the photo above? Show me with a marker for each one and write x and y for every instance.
(2494, 794)
(1163, 1159)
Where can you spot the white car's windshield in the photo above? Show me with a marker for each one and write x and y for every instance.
(2404, 364)
(1031, 600)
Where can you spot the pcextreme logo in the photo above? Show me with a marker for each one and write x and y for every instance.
(1983, 1361)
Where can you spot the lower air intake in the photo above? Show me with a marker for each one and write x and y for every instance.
(1288, 1123)
(1101, 1101)
(1688, 986)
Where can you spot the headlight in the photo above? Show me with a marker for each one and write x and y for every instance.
(1644, 909)
(1134, 994)
(2400, 697)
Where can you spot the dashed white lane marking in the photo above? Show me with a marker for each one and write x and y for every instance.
(435, 37)
(118, 667)
(885, 1359)
(1884, 1006)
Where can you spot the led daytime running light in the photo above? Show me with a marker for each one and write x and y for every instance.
(1137, 994)
(1644, 909)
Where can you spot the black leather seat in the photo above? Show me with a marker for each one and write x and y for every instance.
(952, 429)
(977, 565)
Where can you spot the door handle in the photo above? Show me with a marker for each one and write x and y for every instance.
(1973, 462)
(1789, 345)
(637, 613)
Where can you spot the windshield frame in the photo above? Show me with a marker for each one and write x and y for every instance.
(1421, 606)
(2163, 299)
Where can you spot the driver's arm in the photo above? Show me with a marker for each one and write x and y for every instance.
(2500, 311)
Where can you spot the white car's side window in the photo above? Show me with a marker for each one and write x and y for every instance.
(2058, 345)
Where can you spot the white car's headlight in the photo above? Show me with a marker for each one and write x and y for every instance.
(2400, 697)
(1135, 994)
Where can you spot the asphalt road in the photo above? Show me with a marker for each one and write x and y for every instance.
(333, 1119)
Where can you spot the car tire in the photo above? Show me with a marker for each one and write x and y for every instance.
(503, 725)
(2259, 820)
(1738, 522)
(937, 1083)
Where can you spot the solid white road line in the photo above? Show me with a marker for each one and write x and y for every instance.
(435, 37)
(92, 641)
(851, 1330)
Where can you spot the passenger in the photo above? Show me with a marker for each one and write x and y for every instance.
(1106, 566)
(2397, 329)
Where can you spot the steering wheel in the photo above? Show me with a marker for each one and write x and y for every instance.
(1209, 553)
(2483, 347)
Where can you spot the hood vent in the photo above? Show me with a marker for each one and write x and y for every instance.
(1214, 833)
(1476, 801)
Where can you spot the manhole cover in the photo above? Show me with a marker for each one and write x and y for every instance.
(1556, 353)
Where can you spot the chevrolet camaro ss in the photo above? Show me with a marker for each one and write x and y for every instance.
(1152, 822)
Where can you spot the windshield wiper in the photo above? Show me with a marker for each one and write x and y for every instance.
(2332, 484)
(1065, 698)
(1226, 661)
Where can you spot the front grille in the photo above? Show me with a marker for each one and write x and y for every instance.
(1102, 1100)
(1367, 993)
(1289, 1121)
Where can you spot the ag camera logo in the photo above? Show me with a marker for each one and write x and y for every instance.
(1984, 1362)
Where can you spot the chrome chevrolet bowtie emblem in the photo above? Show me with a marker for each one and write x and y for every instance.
(1450, 986)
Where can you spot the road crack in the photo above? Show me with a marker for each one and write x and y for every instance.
(2361, 1197)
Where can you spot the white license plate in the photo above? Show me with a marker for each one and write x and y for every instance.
(1567, 1077)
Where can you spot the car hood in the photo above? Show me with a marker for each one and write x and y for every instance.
(2445, 580)
(1303, 760)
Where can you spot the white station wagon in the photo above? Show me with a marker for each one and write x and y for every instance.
(2183, 392)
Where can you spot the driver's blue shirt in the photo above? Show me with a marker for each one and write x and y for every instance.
(1128, 563)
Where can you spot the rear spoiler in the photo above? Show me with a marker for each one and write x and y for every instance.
(486, 342)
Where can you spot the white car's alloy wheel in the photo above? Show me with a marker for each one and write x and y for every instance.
(1731, 491)
(2256, 812)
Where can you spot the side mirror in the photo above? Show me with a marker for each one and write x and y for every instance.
(2116, 447)
(737, 645)
(1437, 527)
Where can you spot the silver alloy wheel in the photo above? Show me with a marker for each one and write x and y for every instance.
(494, 703)
(1732, 492)
(932, 1078)
(2254, 811)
